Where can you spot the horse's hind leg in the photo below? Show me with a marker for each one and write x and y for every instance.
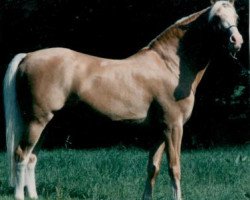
(30, 177)
(25, 175)
(154, 162)
(25, 160)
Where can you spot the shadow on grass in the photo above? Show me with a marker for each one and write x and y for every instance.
(5, 191)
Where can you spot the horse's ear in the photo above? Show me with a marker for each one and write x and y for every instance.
(232, 1)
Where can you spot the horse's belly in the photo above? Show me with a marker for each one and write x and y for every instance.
(119, 109)
(123, 112)
(118, 103)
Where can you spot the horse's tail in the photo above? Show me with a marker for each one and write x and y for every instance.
(13, 118)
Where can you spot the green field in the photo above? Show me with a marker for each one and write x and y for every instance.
(120, 173)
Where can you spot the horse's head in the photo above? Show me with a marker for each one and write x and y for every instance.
(223, 18)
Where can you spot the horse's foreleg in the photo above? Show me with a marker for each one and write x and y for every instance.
(154, 163)
(26, 161)
(173, 148)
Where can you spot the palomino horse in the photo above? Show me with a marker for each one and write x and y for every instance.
(167, 72)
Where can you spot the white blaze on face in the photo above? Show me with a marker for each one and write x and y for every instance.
(226, 12)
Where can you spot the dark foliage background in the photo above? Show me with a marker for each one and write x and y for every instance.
(117, 29)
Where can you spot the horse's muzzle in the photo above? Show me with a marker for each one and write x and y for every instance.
(235, 42)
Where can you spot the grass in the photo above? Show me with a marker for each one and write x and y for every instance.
(120, 173)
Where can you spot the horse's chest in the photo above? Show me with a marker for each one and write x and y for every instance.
(177, 110)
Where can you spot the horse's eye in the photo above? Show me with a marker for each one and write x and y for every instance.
(225, 4)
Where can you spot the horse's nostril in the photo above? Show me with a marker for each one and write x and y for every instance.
(233, 39)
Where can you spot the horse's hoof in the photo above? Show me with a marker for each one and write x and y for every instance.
(33, 197)
(19, 197)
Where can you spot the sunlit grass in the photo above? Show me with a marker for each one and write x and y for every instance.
(120, 173)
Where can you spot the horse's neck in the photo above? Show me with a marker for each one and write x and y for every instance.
(184, 47)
